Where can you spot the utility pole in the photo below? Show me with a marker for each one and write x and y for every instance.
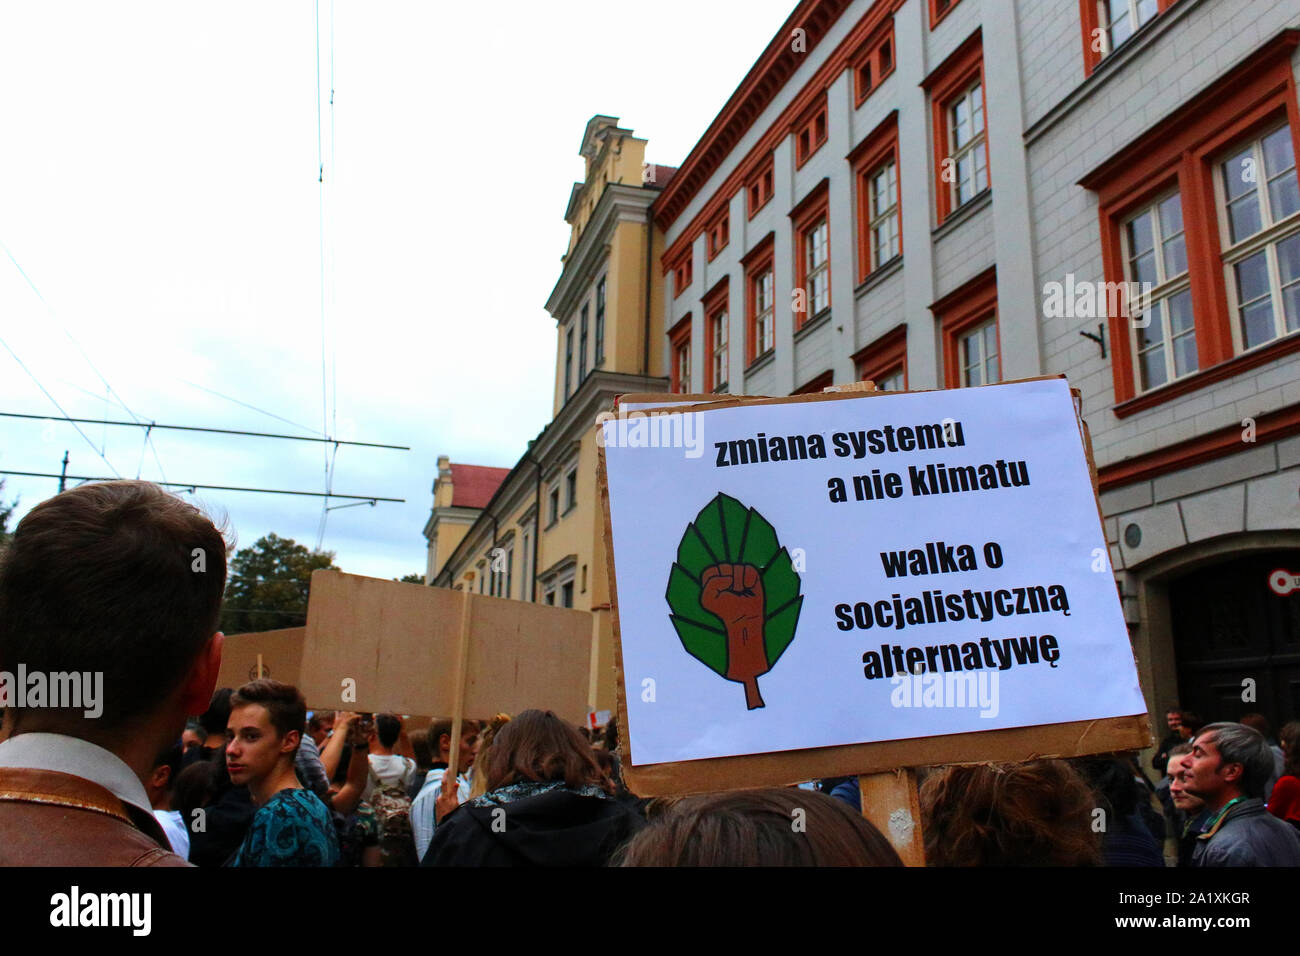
(63, 478)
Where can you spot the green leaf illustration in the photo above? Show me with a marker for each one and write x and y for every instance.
(734, 593)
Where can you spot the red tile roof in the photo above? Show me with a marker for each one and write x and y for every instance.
(472, 486)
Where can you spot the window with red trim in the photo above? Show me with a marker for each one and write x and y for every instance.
(1200, 236)
(760, 302)
(1109, 23)
(682, 272)
(879, 198)
(968, 324)
(812, 249)
(940, 9)
(957, 105)
(758, 190)
(718, 235)
(884, 361)
(716, 337)
(680, 345)
(810, 134)
(872, 63)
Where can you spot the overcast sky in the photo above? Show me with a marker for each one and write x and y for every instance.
(159, 189)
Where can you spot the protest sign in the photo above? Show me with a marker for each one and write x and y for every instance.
(852, 583)
(278, 652)
(385, 646)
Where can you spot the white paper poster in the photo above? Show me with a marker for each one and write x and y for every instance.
(876, 568)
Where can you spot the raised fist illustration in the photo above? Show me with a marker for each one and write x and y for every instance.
(734, 592)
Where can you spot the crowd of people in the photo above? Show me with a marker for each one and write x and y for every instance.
(106, 579)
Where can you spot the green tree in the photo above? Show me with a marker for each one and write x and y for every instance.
(411, 578)
(268, 585)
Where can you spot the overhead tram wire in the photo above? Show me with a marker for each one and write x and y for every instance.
(60, 408)
(263, 411)
(194, 486)
(198, 428)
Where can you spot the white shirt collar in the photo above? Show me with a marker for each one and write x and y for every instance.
(81, 758)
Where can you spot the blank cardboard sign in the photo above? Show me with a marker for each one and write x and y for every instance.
(281, 656)
(525, 655)
(400, 644)
(395, 642)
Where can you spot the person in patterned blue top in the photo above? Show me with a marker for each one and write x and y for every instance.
(292, 827)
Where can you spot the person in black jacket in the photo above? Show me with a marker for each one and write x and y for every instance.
(547, 804)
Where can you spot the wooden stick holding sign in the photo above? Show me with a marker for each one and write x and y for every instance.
(925, 573)
(449, 798)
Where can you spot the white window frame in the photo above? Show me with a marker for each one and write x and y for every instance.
(1163, 290)
(1132, 12)
(764, 311)
(884, 222)
(973, 98)
(817, 271)
(717, 333)
(1271, 234)
(983, 360)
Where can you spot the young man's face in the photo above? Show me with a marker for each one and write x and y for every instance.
(1205, 774)
(1173, 719)
(253, 744)
(1177, 786)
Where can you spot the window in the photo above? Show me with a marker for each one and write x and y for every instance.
(1206, 206)
(969, 158)
(570, 490)
(482, 578)
(968, 321)
(510, 573)
(1259, 199)
(759, 188)
(682, 272)
(880, 223)
(550, 596)
(961, 149)
(873, 62)
(812, 250)
(1109, 23)
(600, 323)
(566, 594)
(884, 361)
(1155, 247)
(715, 339)
(680, 344)
(719, 234)
(555, 505)
(582, 345)
(760, 310)
(979, 355)
(809, 134)
(568, 362)
(526, 567)
(939, 9)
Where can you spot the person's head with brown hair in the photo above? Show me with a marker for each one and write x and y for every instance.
(1257, 721)
(122, 579)
(1190, 724)
(266, 721)
(771, 827)
(537, 745)
(440, 742)
(1288, 739)
(485, 738)
(1013, 814)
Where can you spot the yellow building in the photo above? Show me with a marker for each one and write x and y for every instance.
(539, 534)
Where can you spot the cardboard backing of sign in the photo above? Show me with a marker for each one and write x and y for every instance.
(400, 645)
(795, 766)
(281, 653)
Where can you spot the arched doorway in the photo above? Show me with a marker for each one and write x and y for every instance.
(1229, 625)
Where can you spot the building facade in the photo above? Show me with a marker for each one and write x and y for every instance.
(540, 535)
(949, 193)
